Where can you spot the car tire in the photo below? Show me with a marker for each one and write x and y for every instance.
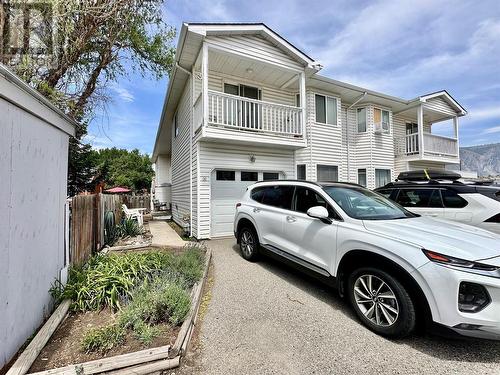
(249, 243)
(381, 302)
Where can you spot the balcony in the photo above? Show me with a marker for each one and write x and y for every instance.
(435, 147)
(252, 115)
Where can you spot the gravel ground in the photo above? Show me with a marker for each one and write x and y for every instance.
(265, 318)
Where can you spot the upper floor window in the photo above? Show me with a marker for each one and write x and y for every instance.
(381, 117)
(326, 109)
(176, 126)
(361, 115)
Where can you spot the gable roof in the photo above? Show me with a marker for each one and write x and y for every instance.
(447, 97)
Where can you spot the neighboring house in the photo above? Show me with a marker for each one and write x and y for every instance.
(33, 173)
(243, 104)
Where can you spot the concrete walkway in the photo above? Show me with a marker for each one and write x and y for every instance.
(164, 235)
(265, 318)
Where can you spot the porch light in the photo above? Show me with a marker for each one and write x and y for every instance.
(252, 158)
(249, 70)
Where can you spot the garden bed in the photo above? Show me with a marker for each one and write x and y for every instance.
(124, 303)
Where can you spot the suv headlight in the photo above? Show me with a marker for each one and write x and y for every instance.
(456, 262)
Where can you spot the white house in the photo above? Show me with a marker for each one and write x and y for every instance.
(244, 104)
(33, 175)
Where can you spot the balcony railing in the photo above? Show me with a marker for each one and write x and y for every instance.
(433, 145)
(253, 115)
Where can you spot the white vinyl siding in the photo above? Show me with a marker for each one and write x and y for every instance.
(181, 159)
(256, 47)
(438, 104)
(236, 157)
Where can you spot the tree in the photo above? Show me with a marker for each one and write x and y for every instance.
(93, 43)
(120, 167)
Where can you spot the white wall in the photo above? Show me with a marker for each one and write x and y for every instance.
(33, 173)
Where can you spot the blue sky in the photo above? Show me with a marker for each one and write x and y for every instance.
(402, 48)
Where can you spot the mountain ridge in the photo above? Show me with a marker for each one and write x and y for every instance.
(485, 159)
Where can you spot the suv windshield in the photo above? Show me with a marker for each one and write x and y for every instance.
(363, 204)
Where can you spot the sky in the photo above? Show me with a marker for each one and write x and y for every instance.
(401, 48)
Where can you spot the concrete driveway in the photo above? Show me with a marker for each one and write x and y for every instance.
(265, 318)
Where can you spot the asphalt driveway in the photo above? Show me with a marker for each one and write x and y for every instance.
(266, 318)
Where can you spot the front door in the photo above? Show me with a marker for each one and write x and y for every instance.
(308, 238)
(411, 137)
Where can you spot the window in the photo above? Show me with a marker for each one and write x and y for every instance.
(382, 177)
(411, 128)
(386, 193)
(306, 198)
(326, 109)
(276, 196)
(381, 116)
(362, 177)
(249, 176)
(361, 114)
(231, 89)
(363, 204)
(176, 127)
(452, 200)
(225, 175)
(257, 194)
(301, 172)
(327, 173)
(428, 198)
(270, 176)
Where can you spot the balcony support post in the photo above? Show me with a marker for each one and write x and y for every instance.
(302, 83)
(204, 75)
(420, 124)
(455, 128)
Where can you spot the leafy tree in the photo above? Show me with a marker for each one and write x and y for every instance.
(96, 42)
(120, 167)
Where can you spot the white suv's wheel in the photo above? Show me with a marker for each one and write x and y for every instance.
(249, 243)
(381, 302)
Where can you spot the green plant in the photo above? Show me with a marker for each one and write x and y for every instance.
(103, 339)
(108, 280)
(130, 228)
(111, 233)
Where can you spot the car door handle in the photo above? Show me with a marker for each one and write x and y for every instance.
(291, 219)
(256, 210)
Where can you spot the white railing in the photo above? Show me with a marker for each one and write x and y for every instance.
(253, 115)
(407, 145)
(433, 144)
(439, 145)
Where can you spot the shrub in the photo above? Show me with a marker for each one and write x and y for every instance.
(103, 339)
(129, 228)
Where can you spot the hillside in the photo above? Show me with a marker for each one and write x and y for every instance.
(485, 159)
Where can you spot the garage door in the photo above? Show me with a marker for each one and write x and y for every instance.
(228, 186)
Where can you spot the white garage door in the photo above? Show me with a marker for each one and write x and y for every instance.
(228, 186)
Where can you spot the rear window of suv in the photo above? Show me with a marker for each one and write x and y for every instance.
(452, 200)
(277, 196)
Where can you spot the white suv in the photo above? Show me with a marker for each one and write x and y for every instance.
(395, 267)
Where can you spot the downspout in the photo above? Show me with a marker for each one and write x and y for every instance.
(190, 150)
(347, 134)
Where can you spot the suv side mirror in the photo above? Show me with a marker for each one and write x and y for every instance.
(319, 212)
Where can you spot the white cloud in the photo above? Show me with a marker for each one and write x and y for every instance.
(493, 130)
(123, 93)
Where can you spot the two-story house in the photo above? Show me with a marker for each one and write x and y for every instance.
(244, 104)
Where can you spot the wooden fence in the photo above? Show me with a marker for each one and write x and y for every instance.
(86, 234)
